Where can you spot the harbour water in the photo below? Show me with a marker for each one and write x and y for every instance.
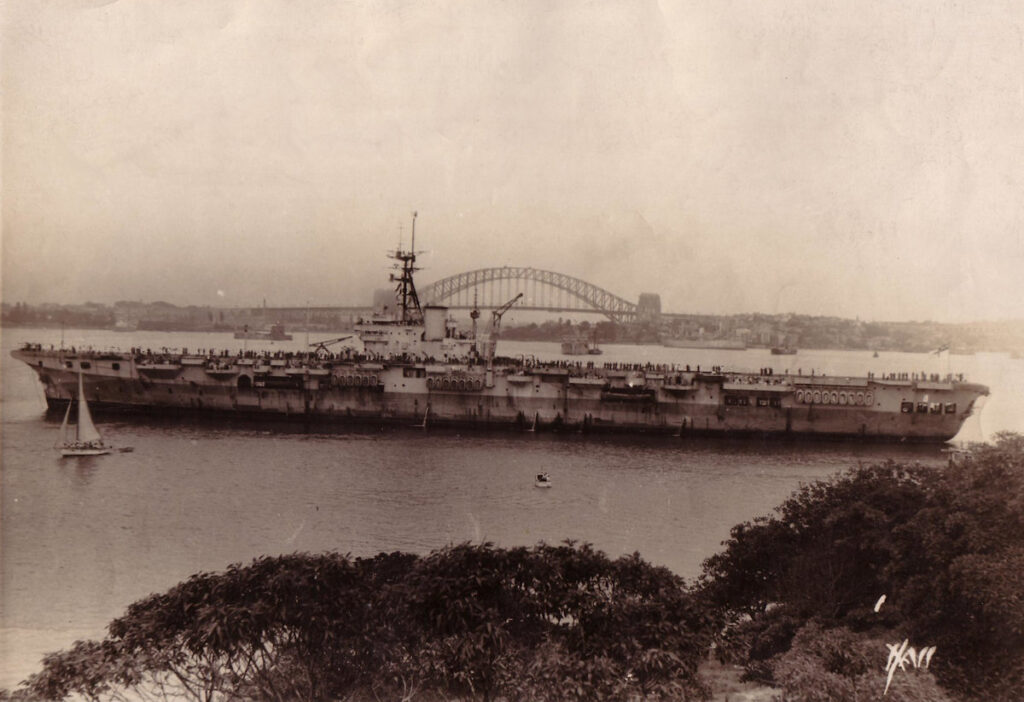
(83, 538)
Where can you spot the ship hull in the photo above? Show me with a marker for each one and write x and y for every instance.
(720, 344)
(566, 396)
(73, 452)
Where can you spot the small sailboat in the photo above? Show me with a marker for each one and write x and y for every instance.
(543, 480)
(533, 427)
(86, 439)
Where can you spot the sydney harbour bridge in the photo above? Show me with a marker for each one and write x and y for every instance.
(548, 291)
(543, 291)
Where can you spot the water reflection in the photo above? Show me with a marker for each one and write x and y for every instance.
(84, 467)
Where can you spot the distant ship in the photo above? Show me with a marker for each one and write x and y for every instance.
(726, 344)
(783, 351)
(275, 333)
(579, 345)
(416, 368)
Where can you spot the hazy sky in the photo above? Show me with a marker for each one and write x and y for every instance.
(847, 158)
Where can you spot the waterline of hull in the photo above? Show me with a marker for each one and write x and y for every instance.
(320, 421)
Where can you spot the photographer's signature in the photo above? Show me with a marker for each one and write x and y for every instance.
(900, 655)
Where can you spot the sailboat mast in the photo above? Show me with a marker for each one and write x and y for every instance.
(64, 424)
(81, 408)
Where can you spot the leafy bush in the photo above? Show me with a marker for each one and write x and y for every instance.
(839, 665)
(754, 641)
(946, 547)
(476, 622)
(959, 571)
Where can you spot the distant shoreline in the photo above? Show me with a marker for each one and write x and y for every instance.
(519, 334)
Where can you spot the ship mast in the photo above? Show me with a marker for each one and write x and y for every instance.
(406, 289)
(474, 315)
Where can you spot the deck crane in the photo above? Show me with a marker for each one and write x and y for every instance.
(492, 340)
(322, 345)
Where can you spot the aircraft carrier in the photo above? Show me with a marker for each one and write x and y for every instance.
(416, 368)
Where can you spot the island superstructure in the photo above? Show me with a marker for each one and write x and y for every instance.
(416, 367)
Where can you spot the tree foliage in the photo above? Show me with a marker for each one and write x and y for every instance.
(945, 546)
(474, 622)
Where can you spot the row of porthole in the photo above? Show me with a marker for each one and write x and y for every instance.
(818, 397)
(449, 383)
(365, 381)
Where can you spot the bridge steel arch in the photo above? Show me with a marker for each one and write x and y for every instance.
(612, 306)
